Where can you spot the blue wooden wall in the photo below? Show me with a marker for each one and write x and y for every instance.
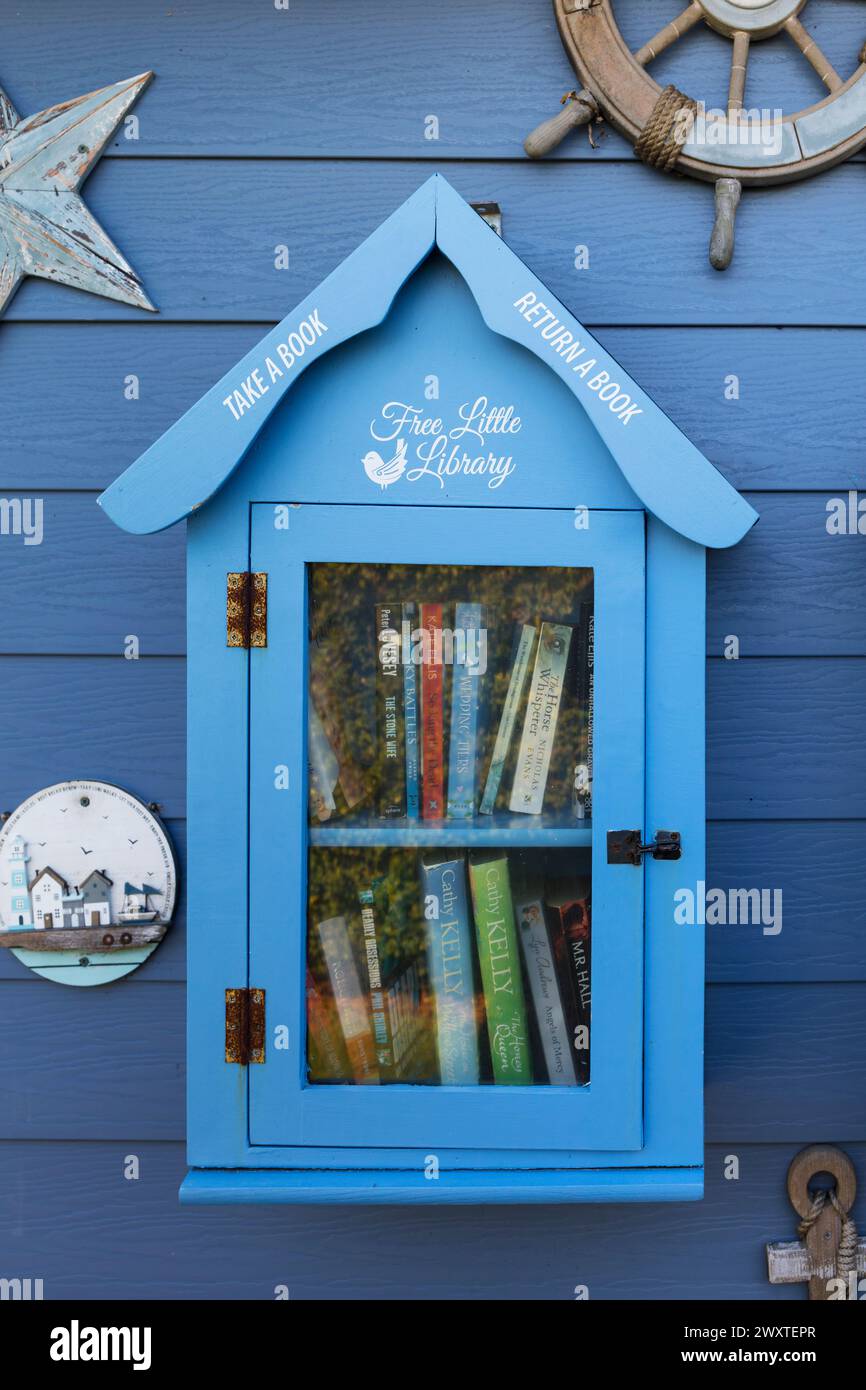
(304, 128)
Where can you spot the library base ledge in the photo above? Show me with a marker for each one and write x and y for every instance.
(207, 1187)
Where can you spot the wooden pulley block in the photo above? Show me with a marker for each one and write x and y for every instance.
(829, 1256)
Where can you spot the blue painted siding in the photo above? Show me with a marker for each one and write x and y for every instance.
(200, 217)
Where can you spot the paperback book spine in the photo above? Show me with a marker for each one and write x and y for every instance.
(349, 787)
(327, 657)
(410, 721)
(390, 755)
(569, 927)
(324, 769)
(432, 685)
(539, 725)
(403, 1001)
(326, 1055)
(449, 964)
(508, 719)
(544, 987)
(499, 955)
(465, 700)
(585, 690)
(371, 922)
(350, 999)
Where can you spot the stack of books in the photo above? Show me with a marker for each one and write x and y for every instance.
(526, 939)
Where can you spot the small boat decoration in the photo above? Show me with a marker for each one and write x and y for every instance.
(136, 908)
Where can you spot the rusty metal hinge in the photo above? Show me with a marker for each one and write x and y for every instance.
(625, 847)
(246, 609)
(245, 1026)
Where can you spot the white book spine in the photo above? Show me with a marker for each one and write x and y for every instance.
(505, 732)
(349, 997)
(544, 989)
(542, 713)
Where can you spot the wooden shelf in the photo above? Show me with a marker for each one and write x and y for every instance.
(499, 830)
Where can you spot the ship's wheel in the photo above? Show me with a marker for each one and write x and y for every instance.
(670, 130)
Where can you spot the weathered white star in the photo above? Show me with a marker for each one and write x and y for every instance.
(45, 228)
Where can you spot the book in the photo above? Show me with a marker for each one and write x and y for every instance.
(395, 990)
(327, 742)
(466, 681)
(568, 916)
(539, 724)
(324, 768)
(350, 999)
(544, 985)
(390, 758)
(499, 955)
(432, 692)
(410, 721)
(449, 966)
(403, 1002)
(585, 696)
(521, 657)
(326, 1054)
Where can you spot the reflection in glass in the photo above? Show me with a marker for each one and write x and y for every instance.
(450, 773)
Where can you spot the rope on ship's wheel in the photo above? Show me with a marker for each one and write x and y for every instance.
(662, 138)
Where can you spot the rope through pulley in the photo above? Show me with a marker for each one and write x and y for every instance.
(846, 1256)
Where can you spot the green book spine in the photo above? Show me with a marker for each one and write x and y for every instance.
(499, 955)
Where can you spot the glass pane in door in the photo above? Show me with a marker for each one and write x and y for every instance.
(450, 713)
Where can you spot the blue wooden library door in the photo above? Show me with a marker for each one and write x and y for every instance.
(311, 548)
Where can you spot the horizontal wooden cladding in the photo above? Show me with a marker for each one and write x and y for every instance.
(785, 735)
(816, 868)
(785, 1061)
(788, 589)
(112, 594)
(205, 236)
(785, 739)
(782, 1062)
(791, 587)
(793, 422)
(316, 81)
(116, 720)
(712, 1249)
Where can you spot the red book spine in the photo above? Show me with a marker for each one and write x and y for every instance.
(432, 694)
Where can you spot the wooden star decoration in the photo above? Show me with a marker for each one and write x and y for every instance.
(45, 227)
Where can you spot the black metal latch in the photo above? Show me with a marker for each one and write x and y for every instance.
(625, 847)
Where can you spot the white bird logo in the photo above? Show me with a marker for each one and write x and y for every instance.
(382, 471)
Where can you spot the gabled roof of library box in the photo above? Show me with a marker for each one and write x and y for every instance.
(191, 461)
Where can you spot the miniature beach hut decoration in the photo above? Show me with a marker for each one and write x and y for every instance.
(433, 409)
(66, 920)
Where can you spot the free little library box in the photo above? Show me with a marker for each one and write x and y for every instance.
(446, 743)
